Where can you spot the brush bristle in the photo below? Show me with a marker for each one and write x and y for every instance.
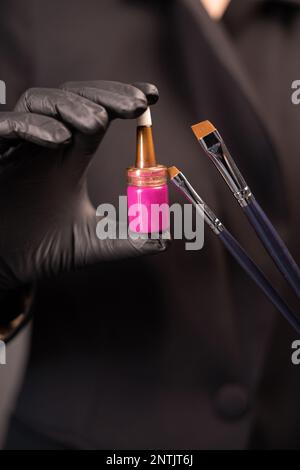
(202, 129)
(173, 171)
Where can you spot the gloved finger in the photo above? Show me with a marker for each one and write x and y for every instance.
(111, 249)
(97, 246)
(149, 90)
(120, 100)
(130, 248)
(35, 128)
(84, 115)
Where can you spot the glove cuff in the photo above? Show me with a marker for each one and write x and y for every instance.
(15, 308)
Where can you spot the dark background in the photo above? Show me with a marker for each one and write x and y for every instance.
(226, 354)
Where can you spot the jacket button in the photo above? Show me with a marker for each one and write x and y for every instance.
(232, 401)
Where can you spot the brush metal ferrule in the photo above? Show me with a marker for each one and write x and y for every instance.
(217, 151)
(186, 188)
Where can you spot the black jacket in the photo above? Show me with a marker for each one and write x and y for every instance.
(206, 362)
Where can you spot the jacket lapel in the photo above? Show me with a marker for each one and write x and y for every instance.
(219, 85)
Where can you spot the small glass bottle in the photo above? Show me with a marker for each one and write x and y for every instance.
(147, 192)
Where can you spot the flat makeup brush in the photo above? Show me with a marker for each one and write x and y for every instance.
(214, 146)
(232, 245)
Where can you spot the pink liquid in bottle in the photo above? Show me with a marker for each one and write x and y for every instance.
(148, 208)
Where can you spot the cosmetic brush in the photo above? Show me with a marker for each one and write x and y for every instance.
(233, 246)
(214, 146)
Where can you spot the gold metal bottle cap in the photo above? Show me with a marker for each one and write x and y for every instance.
(147, 177)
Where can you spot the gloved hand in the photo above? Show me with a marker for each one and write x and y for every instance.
(48, 223)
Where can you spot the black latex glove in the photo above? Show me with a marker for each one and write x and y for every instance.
(47, 221)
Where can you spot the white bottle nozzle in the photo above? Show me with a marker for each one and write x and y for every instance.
(145, 119)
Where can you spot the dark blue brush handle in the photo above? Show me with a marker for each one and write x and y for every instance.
(274, 244)
(257, 276)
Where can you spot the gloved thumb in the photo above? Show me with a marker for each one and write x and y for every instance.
(94, 247)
